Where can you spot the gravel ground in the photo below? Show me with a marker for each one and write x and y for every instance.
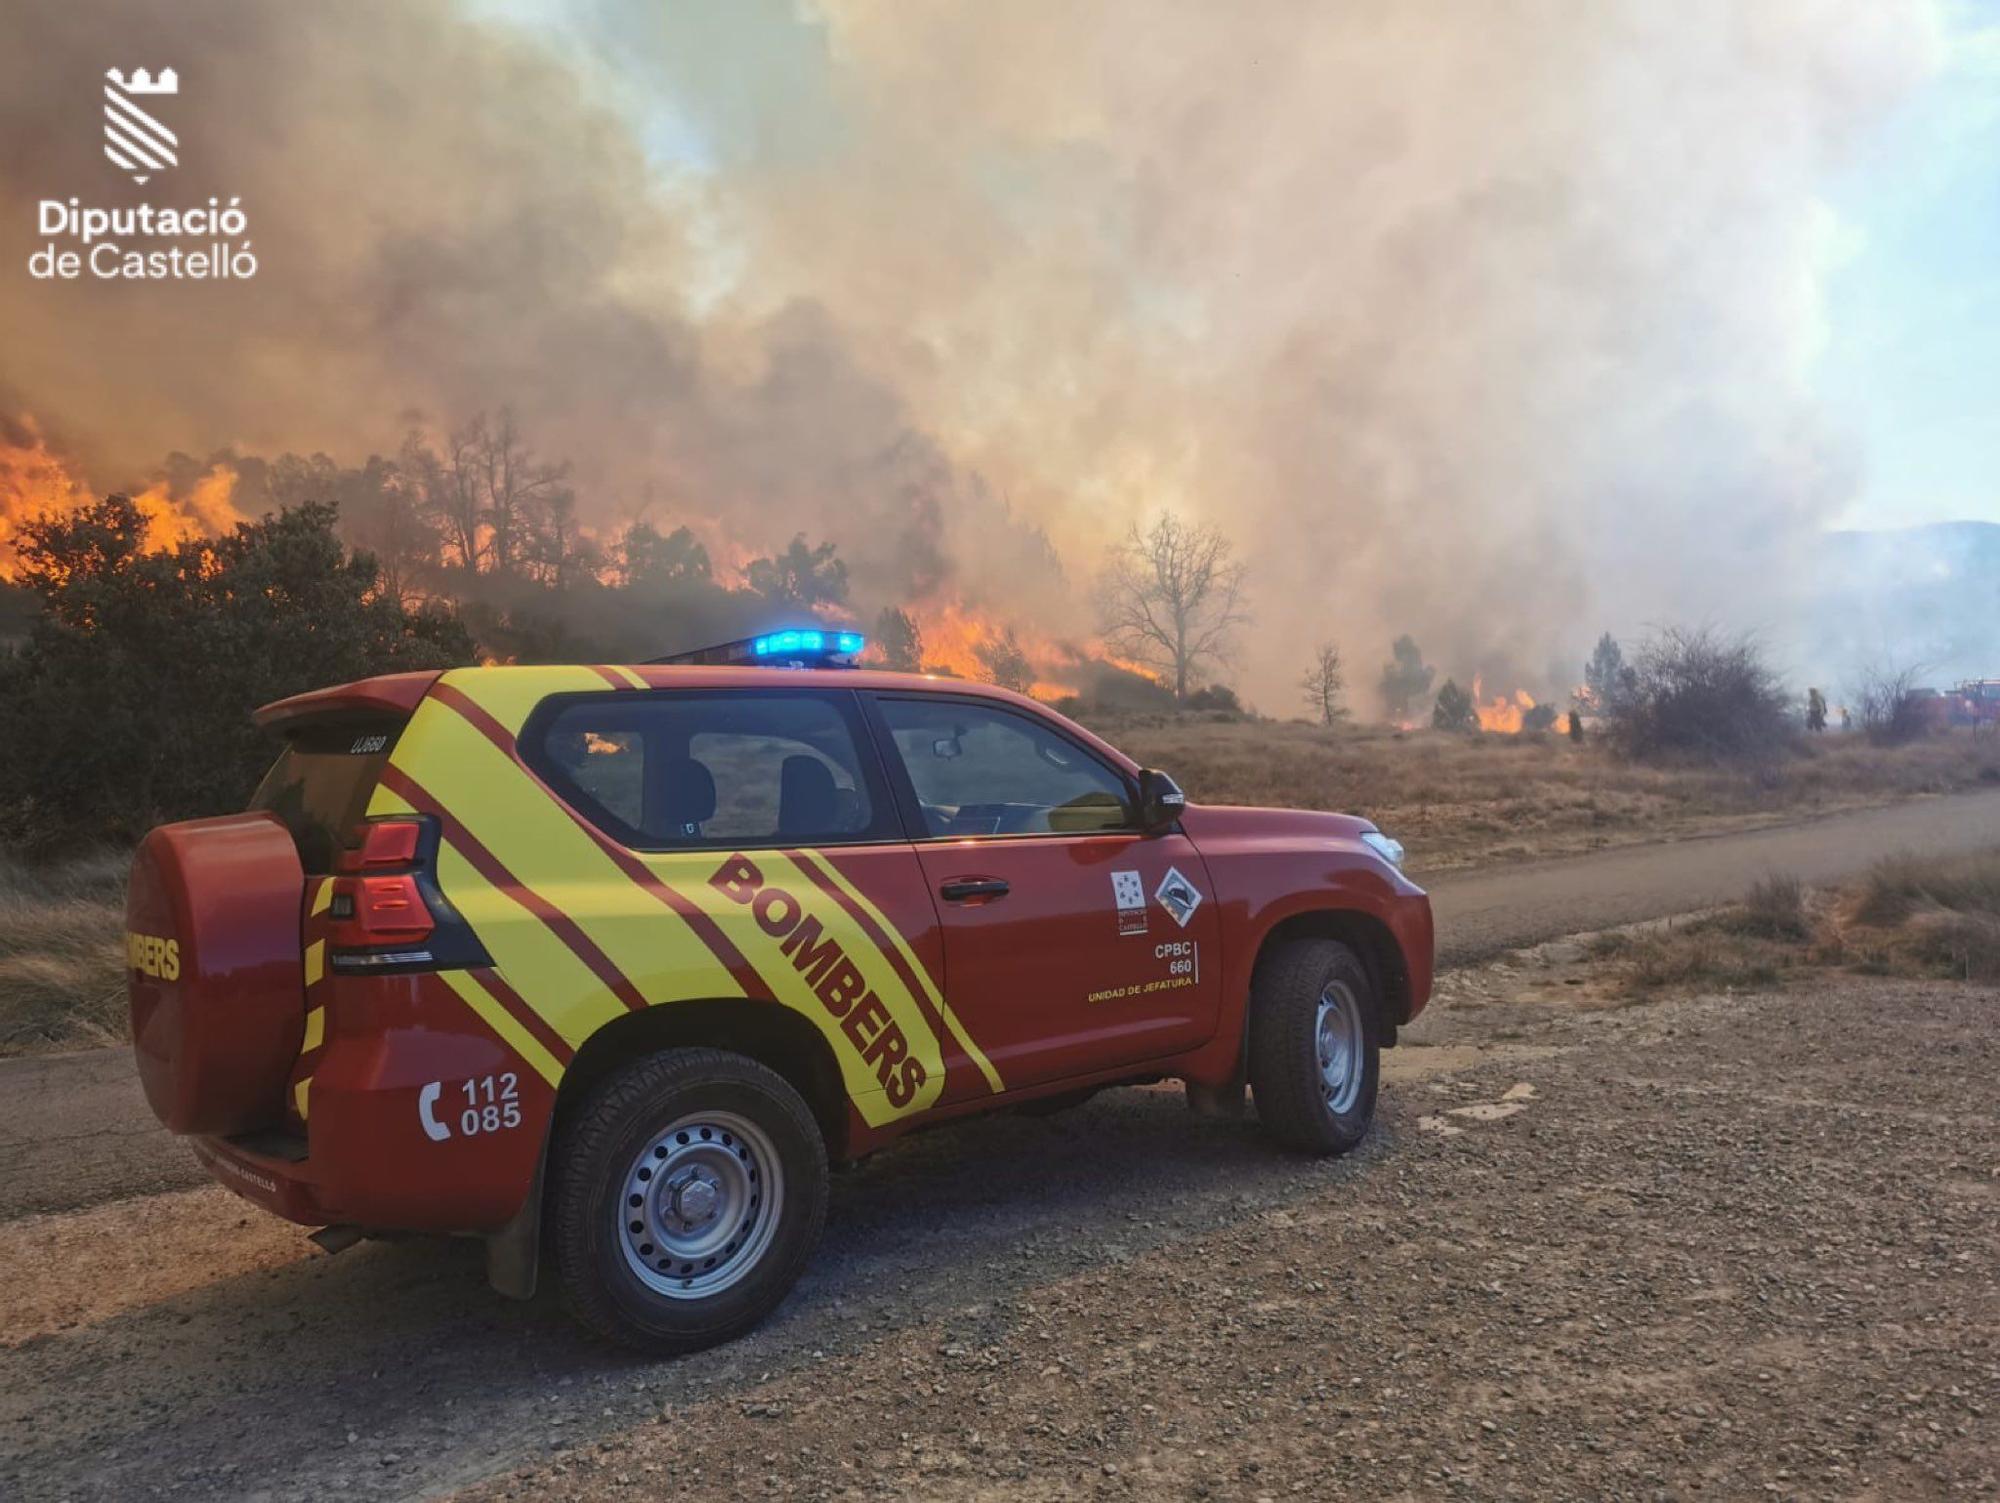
(1699, 1248)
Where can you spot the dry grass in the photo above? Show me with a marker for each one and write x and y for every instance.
(62, 953)
(1459, 800)
(1934, 917)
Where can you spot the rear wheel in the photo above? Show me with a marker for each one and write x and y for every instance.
(1314, 1058)
(690, 1190)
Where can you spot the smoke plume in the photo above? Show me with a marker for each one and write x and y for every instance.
(1489, 321)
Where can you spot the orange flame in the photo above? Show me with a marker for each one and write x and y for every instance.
(36, 483)
(954, 633)
(1502, 714)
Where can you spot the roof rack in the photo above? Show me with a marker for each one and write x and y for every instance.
(792, 647)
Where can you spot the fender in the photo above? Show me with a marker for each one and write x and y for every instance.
(1272, 866)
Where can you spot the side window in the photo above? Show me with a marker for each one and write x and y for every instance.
(689, 770)
(981, 771)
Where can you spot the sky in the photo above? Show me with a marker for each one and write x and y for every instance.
(1911, 363)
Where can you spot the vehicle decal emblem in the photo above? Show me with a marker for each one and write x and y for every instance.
(1128, 891)
(1178, 896)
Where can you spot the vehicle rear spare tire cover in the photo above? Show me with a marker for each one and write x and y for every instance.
(212, 919)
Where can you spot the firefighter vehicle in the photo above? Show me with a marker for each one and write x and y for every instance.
(607, 965)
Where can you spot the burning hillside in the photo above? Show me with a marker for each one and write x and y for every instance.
(36, 483)
(445, 527)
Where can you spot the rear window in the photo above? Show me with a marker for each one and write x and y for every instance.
(747, 768)
(320, 784)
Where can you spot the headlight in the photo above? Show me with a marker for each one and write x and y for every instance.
(1390, 850)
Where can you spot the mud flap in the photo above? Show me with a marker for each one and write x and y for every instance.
(514, 1253)
(1225, 1100)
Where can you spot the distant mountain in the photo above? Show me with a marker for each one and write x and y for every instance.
(1912, 595)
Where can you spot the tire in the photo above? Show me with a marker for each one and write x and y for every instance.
(729, 1169)
(1314, 1093)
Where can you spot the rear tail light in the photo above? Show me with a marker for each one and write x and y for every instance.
(382, 843)
(387, 911)
(379, 911)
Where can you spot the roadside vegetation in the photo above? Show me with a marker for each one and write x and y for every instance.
(1928, 917)
(62, 952)
(1459, 800)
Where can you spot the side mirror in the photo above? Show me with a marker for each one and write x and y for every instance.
(1160, 801)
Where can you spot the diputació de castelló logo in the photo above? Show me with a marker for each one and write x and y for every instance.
(133, 138)
(123, 242)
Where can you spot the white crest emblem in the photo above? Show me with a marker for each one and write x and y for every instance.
(133, 139)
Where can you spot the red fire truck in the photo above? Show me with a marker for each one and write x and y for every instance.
(606, 964)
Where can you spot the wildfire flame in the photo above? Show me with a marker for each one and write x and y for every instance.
(954, 632)
(36, 483)
(958, 637)
(1503, 713)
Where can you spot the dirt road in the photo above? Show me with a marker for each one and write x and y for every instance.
(1482, 912)
(1701, 1248)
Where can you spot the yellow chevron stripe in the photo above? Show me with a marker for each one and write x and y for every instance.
(501, 1021)
(322, 896)
(509, 695)
(917, 968)
(689, 873)
(315, 1029)
(629, 676)
(560, 987)
(299, 1094)
(315, 962)
(530, 834)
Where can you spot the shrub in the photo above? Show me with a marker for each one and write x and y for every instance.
(1215, 697)
(130, 702)
(1897, 886)
(1454, 710)
(1890, 707)
(1696, 691)
(1773, 908)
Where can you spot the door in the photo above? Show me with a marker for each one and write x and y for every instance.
(1073, 943)
(762, 858)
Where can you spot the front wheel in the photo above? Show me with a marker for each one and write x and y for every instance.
(690, 1189)
(1315, 1056)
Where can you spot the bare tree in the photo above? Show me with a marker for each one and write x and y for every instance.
(1323, 683)
(448, 485)
(381, 511)
(517, 492)
(1890, 704)
(1171, 597)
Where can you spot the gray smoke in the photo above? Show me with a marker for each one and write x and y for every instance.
(1489, 320)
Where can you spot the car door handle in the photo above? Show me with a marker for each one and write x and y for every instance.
(958, 889)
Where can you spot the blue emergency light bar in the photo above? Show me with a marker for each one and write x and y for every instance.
(794, 647)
